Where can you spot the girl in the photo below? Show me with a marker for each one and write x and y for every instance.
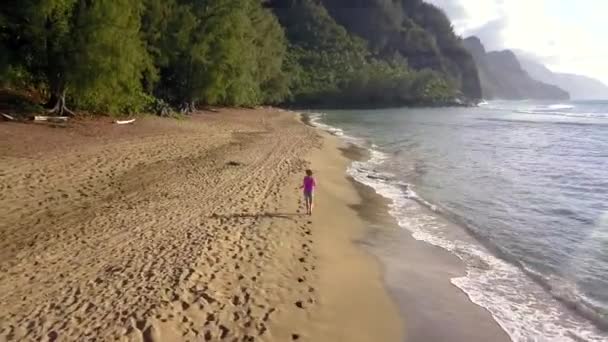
(308, 185)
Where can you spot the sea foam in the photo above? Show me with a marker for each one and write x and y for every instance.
(518, 304)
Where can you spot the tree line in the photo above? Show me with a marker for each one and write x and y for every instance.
(330, 66)
(125, 56)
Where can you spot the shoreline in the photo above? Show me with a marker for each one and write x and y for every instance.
(184, 231)
(418, 276)
(355, 304)
(509, 298)
(190, 230)
(430, 307)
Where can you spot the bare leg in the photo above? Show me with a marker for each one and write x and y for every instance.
(312, 205)
(308, 202)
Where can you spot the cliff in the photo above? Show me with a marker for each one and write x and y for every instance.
(579, 87)
(502, 76)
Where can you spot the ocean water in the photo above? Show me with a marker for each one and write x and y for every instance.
(527, 180)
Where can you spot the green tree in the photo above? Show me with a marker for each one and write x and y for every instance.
(157, 23)
(11, 72)
(225, 74)
(90, 51)
(429, 88)
(5, 55)
(204, 40)
(216, 52)
(111, 57)
(270, 47)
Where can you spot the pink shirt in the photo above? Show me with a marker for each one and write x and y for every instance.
(309, 184)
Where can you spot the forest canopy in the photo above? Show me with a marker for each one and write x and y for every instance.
(124, 56)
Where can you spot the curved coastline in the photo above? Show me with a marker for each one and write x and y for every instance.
(483, 268)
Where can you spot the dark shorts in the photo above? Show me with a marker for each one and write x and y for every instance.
(308, 195)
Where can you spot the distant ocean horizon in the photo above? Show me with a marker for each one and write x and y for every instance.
(527, 179)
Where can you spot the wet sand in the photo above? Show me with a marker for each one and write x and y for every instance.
(418, 277)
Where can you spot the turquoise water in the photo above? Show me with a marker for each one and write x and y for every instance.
(528, 180)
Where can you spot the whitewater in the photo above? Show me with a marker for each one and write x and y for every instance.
(527, 180)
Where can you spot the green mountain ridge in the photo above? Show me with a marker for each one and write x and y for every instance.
(418, 31)
(388, 53)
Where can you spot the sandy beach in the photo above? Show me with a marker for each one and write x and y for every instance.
(183, 230)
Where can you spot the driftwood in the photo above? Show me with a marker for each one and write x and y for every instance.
(124, 122)
(8, 117)
(51, 118)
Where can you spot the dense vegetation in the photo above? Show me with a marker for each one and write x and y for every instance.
(329, 66)
(414, 29)
(122, 56)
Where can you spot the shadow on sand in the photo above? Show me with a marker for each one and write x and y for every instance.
(289, 216)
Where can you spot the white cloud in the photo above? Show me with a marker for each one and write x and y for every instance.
(568, 36)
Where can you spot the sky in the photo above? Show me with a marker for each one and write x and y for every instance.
(565, 35)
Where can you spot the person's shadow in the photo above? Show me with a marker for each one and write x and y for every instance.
(289, 216)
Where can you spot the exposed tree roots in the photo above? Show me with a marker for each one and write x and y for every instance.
(59, 107)
(188, 107)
